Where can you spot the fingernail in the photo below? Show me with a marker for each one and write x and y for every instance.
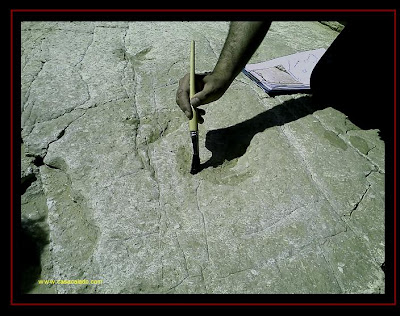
(195, 102)
(188, 114)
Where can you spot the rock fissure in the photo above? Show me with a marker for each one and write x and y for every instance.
(28, 92)
(234, 272)
(349, 143)
(183, 254)
(264, 229)
(203, 222)
(298, 154)
(179, 283)
(332, 270)
(359, 201)
(87, 49)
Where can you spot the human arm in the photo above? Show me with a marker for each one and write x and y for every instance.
(242, 41)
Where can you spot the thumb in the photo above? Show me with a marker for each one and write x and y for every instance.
(198, 99)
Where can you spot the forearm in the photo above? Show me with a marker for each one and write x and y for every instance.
(242, 41)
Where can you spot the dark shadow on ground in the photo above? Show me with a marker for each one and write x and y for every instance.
(33, 239)
(232, 142)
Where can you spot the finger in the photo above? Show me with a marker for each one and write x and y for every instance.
(182, 96)
(182, 99)
(199, 98)
(204, 96)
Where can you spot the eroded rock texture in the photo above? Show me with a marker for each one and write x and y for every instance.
(290, 199)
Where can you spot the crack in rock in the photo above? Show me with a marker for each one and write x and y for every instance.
(358, 203)
(203, 222)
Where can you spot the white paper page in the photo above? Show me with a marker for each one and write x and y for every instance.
(299, 65)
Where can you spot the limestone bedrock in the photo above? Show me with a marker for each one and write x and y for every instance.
(290, 199)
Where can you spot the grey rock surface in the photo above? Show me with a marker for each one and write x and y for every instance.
(290, 200)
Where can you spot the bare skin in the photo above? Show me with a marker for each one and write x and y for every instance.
(242, 41)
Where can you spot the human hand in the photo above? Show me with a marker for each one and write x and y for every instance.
(209, 86)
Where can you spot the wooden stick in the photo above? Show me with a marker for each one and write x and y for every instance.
(193, 127)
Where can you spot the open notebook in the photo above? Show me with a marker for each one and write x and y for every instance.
(288, 73)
